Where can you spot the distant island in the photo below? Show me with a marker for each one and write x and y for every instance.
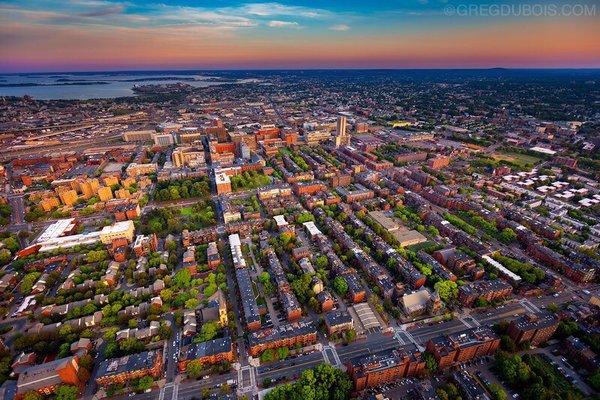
(75, 83)
(166, 78)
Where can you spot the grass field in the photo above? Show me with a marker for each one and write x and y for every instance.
(521, 160)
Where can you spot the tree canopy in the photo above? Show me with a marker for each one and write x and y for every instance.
(323, 382)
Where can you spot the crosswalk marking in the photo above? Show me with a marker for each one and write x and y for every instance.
(325, 356)
(529, 306)
(175, 392)
(465, 323)
(336, 359)
(400, 331)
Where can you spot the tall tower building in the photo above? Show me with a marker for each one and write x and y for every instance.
(341, 137)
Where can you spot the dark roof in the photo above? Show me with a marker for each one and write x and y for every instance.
(337, 317)
(540, 320)
(385, 359)
(469, 387)
(205, 349)
(463, 339)
(249, 305)
(282, 332)
(133, 362)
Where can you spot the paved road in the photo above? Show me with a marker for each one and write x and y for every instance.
(292, 368)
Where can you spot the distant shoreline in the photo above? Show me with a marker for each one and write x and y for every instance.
(325, 69)
(78, 83)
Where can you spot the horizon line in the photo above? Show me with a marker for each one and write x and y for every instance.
(307, 69)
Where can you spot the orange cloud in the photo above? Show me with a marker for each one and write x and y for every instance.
(532, 43)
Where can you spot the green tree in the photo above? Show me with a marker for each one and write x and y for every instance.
(442, 394)
(192, 304)
(131, 345)
(28, 281)
(340, 285)
(210, 290)
(207, 332)
(350, 335)
(166, 295)
(498, 393)
(33, 396)
(323, 382)
(321, 262)
(567, 328)
(553, 307)
(67, 392)
(194, 369)
(5, 256)
(144, 383)
(225, 389)
(507, 235)
(264, 277)
(182, 278)
(433, 231)
(171, 245)
(94, 256)
(447, 290)
(507, 344)
(282, 353)
(11, 244)
(267, 355)
(430, 362)
(110, 333)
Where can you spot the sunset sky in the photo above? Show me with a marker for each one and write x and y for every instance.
(80, 35)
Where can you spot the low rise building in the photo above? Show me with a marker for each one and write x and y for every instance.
(207, 353)
(463, 346)
(581, 352)
(122, 229)
(485, 290)
(45, 378)
(222, 183)
(533, 328)
(385, 366)
(134, 366)
(338, 321)
(288, 335)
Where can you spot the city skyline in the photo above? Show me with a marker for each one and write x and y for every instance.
(92, 35)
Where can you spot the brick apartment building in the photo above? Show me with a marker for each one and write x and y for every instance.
(134, 366)
(533, 328)
(438, 162)
(289, 335)
(208, 353)
(213, 258)
(486, 290)
(463, 346)
(144, 245)
(385, 366)
(312, 187)
(581, 352)
(338, 321)
(45, 378)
